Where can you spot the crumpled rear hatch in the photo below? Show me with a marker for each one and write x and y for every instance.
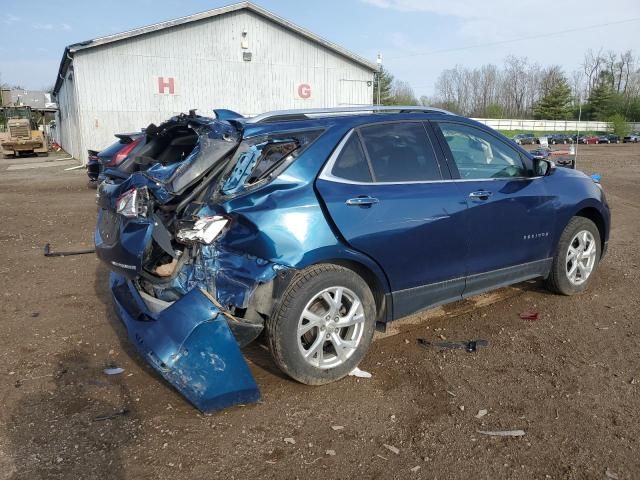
(147, 203)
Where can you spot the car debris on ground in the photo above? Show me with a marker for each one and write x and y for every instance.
(391, 448)
(503, 433)
(356, 372)
(49, 253)
(113, 370)
(468, 345)
(109, 416)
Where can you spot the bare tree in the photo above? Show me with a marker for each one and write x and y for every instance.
(515, 84)
(592, 64)
(402, 93)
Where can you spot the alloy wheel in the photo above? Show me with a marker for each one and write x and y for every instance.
(581, 257)
(330, 327)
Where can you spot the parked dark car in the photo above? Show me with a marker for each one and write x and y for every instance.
(557, 138)
(526, 139)
(113, 155)
(608, 138)
(540, 153)
(633, 137)
(317, 227)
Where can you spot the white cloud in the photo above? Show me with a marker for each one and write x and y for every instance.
(51, 26)
(42, 26)
(11, 19)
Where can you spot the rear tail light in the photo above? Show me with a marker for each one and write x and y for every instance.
(123, 153)
(205, 230)
(132, 203)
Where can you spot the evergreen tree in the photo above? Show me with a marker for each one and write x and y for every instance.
(556, 102)
(601, 101)
(386, 81)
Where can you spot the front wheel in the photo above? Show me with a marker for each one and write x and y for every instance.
(323, 326)
(577, 256)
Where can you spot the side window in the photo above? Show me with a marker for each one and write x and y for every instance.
(259, 157)
(400, 152)
(352, 164)
(479, 155)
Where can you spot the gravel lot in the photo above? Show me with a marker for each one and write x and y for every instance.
(570, 380)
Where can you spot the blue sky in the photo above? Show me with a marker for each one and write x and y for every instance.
(410, 33)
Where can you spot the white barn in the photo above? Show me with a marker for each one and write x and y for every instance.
(240, 57)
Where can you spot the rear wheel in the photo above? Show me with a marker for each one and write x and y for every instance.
(577, 256)
(323, 325)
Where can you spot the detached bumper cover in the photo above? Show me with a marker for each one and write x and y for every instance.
(190, 344)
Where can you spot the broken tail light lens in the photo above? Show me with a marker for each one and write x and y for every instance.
(132, 204)
(123, 153)
(205, 230)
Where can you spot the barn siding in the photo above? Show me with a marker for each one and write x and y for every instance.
(117, 83)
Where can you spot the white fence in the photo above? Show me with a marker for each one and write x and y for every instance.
(548, 125)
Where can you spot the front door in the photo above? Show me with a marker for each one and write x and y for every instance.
(390, 199)
(510, 213)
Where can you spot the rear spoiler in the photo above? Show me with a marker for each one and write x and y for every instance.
(224, 114)
(126, 137)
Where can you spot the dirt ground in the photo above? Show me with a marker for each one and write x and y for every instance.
(570, 380)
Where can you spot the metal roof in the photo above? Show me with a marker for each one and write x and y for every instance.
(67, 56)
(36, 99)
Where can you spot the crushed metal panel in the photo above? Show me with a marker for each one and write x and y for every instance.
(191, 345)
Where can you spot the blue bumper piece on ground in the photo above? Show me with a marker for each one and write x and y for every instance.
(190, 345)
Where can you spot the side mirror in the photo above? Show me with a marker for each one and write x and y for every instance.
(543, 168)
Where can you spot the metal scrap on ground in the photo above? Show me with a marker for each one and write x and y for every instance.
(49, 253)
(503, 433)
(109, 416)
(469, 345)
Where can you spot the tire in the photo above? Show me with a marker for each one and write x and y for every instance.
(558, 280)
(304, 294)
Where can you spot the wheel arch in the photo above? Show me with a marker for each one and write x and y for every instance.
(376, 284)
(593, 214)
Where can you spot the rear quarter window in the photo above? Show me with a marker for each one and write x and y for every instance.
(351, 163)
(263, 157)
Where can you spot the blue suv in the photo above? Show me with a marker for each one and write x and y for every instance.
(316, 227)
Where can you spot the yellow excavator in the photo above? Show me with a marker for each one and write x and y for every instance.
(22, 135)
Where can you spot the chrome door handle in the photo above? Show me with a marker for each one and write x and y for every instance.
(362, 201)
(480, 195)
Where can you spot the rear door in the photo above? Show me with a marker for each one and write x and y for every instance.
(511, 215)
(391, 199)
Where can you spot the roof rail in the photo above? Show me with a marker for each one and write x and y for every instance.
(301, 114)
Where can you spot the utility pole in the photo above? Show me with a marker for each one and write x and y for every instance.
(379, 62)
(575, 161)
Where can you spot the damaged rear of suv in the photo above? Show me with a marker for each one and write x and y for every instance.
(315, 227)
(204, 244)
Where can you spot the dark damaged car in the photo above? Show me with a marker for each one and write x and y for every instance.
(316, 227)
